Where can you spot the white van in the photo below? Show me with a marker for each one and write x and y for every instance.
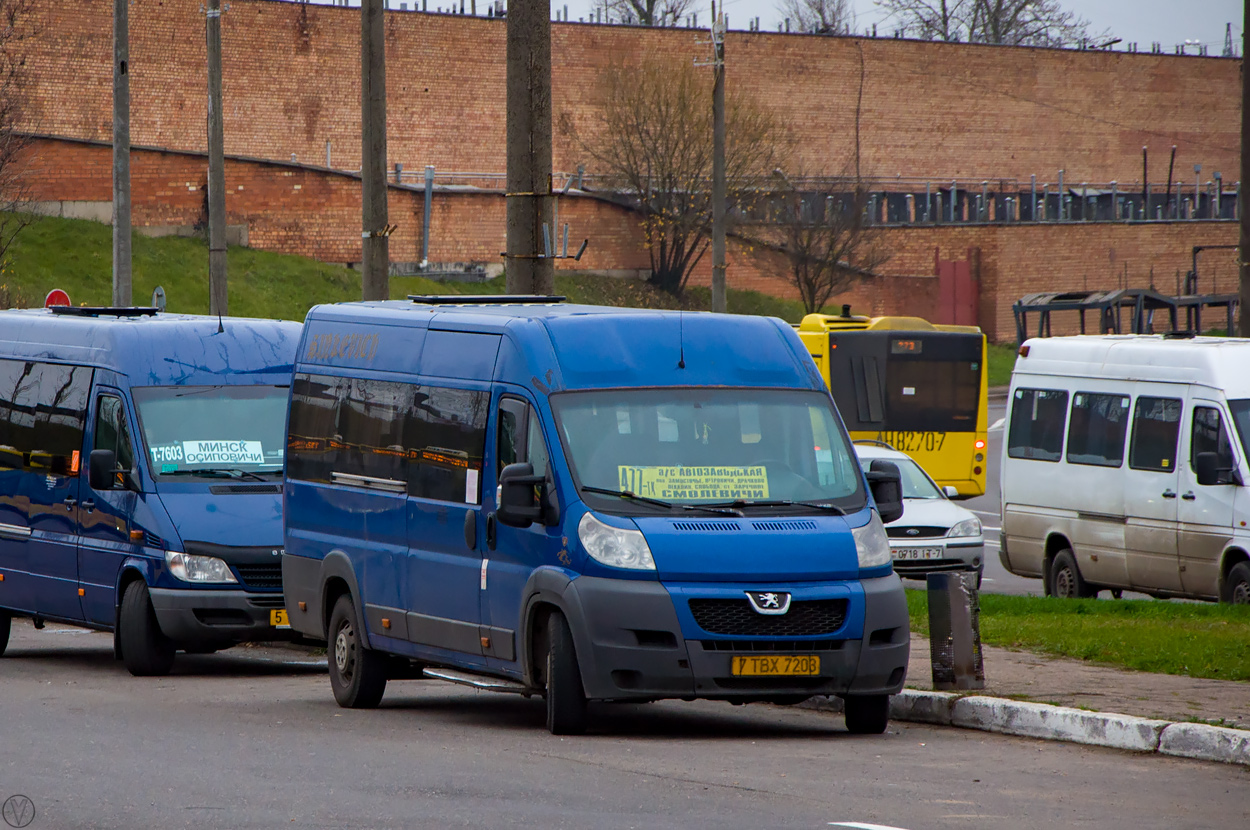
(1125, 466)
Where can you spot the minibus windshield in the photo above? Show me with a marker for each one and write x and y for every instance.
(704, 446)
(213, 431)
(1241, 417)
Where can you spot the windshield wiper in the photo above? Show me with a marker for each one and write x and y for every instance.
(220, 473)
(631, 496)
(741, 503)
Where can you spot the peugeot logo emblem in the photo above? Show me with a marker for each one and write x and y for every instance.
(769, 602)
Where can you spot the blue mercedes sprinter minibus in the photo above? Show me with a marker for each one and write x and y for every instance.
(584, 503)
(141, 460)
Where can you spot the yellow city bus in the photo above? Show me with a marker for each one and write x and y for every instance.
(917, 386)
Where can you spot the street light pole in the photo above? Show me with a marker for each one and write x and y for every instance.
(217, 293)
(718, 163)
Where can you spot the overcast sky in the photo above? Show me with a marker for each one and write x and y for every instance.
(1144, 21)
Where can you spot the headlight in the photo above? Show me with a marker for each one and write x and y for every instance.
(190, 568)
(614, 546)
(871, 543)
(968, 527)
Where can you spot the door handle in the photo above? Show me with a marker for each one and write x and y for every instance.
(1189, 496)
(491, 528)
(1168, 494)
(70, 502)
(88, 505)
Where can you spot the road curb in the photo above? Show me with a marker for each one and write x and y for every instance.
(1044, 721)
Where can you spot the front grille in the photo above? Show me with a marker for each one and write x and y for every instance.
(706, 527)
(275, 601)
(791, 524)
(736, 618)
(922, 532)
(244, 489)
(771, 646)
(260, 576)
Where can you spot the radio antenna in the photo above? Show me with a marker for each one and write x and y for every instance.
(681, 340)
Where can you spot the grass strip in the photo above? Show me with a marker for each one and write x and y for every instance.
(1181, 638)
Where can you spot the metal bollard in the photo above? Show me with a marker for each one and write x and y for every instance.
(955, 631)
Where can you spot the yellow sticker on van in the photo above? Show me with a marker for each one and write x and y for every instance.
(685, 483)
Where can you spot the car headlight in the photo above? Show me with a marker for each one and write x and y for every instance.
(871, 543)
(614, 546)
(968, 527)
(191, 568)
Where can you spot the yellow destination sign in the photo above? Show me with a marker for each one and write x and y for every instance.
(685, 483)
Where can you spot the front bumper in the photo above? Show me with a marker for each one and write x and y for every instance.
(956, 556)
(630, 645)
(204, 617)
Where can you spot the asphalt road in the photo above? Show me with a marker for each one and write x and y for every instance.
(252, 738)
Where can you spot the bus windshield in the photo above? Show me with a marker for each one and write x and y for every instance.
(207, 431)
(692, 446)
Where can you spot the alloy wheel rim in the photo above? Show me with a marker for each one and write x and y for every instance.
(1241, 593)
(1063, 583)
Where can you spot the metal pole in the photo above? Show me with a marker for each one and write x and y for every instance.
(121, 153)
(375, 247)
(1062, 212)
(928, 200)
(1243, 252)
(718, 165)
(218, 299)
(1033, 197)
(528, 131)
(425, 223)
(954, 191)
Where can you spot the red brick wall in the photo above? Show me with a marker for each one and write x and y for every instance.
(291, 76)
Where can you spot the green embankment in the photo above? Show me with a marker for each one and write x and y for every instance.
(1192, 639)
(76, 255)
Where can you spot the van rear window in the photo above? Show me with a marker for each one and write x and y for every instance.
(1038, 417)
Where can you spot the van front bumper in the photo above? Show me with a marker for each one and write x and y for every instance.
(630, 646)
(204, 617)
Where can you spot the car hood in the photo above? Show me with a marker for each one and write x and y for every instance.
(753, 548)
(235, 520)
(931, 513)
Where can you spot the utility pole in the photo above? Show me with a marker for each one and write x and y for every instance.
(528, 265)
(718, 160)
(1243, 250)
(121, 153)
(217, 294)
(374, 238)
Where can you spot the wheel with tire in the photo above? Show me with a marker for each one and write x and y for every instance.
(1237, 586)
(6, 625)
(566, 699)
(866, 714)
(1066, 581)
(146, 651)
(357, 674)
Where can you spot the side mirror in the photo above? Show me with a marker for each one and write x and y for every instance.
(887, 489)
(101, 465)
(1208, 469)
(951, 491)
(519, 505)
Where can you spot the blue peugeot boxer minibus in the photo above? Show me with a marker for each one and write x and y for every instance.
(141, 460)
(584, 503)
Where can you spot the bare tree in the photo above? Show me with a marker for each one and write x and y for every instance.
(1011, 22)
(644, 12)
(823, 229)
(15, 34)
(652, 139)
(819, 17)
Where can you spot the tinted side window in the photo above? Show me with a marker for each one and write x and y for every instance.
(1156, 425)
(111, 432)
(1037, 422)
(314, 439)
(1209, 435)
(447, 430)
(43, 409)
(371, 419)
(1097, 428)
(18, 393)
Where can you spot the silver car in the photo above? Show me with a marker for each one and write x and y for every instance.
(934, 534)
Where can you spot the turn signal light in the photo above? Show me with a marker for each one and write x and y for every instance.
(136, 535)
(980, 444)
(1024, 351)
